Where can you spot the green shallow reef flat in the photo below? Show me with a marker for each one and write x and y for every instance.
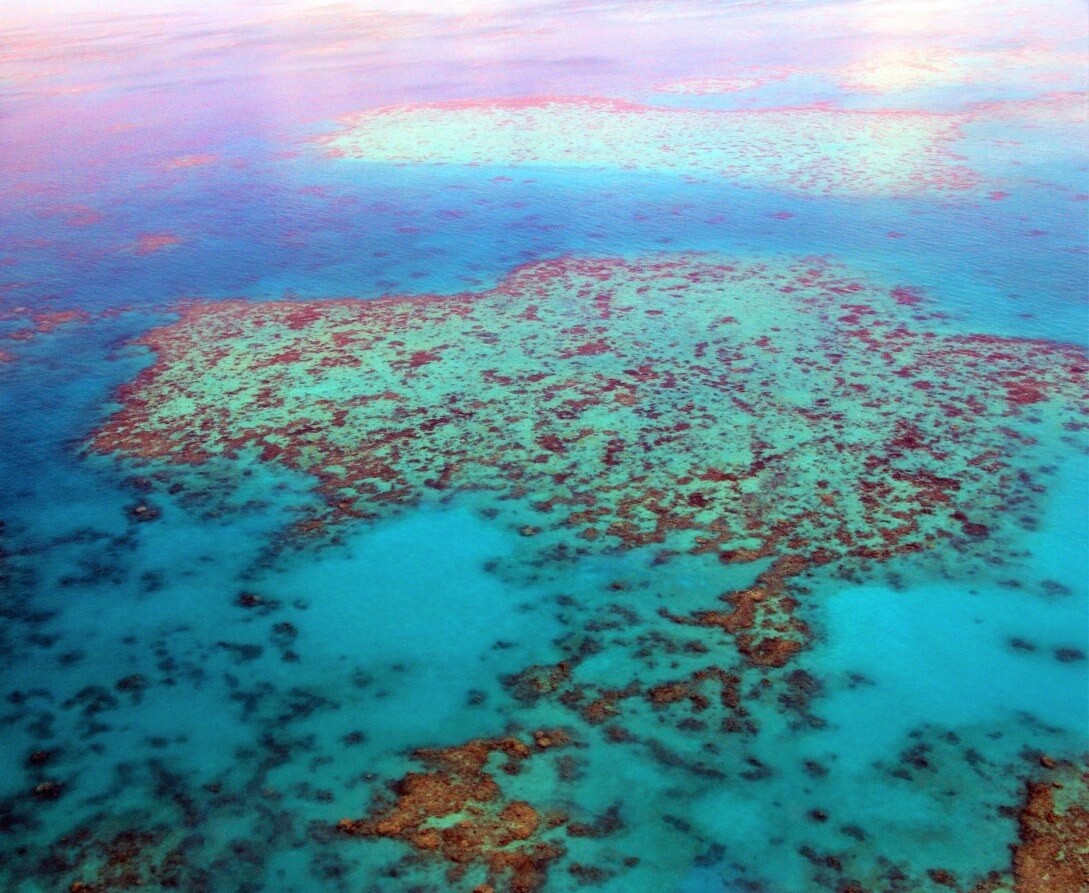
(691, 455)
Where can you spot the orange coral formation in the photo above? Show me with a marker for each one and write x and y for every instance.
(1053, 855)
(503, 835)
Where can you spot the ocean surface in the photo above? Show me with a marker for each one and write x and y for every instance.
(514, 446)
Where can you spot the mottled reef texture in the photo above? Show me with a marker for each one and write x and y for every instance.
(778, 413)
(783, 411)
(506, 836)
(1053, 855)
(808, 149)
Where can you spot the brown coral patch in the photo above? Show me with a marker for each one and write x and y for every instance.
(1053, 855)
(761, 618)
(456, 811)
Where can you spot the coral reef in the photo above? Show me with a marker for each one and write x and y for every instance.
(775, 419)
(1053, 853)
(505, 835)
(809, 149)
(745, 410)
